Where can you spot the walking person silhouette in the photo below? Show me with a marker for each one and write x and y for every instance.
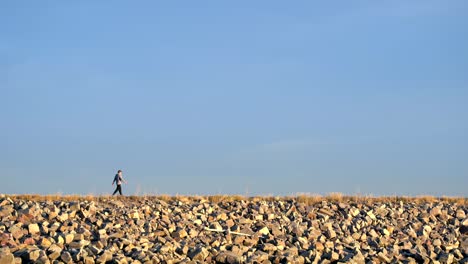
(118, 179)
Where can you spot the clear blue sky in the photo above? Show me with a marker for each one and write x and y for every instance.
(249, 97)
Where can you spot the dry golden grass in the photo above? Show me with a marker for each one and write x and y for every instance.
(225, 198)
(54, 197)
(309, 199)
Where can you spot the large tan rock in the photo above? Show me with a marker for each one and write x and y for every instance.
(6, 257)
(33, 229)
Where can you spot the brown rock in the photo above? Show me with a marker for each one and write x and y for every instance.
(326, 212)
(268, 247)
(53, 252)
(229, 257)
(88, 260)
(78, 244)
(66, 257)
(319, 246)
(382, 256)
(29, 241)
(331, 233)
(106, 256)
(259, 256)
(198, 254)
(43, 260)
(180, 233)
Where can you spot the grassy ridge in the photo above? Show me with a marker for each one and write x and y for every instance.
(300, 198)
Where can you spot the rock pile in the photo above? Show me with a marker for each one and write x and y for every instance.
(150, 230)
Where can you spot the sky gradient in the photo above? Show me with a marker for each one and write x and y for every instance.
(247, 97)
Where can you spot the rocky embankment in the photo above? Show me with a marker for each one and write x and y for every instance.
(150, 230)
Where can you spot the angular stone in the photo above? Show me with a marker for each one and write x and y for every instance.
(354, 212)
(94, 250)
(435, 211)
(88, 260)
(78, 237)
(6, 257)
(326, 212)
(33, 229)
(446, 258)
(268, 247)
(16, 232)
(373, 234)
(60, 240)
(33, 255)
(29, 241)
(102, 232)
(371, 215)
(66, 257)
(43, 260)
(229, 257)
(69, 238)
(334, 256)
(106, 256)
(180, 233)
(464, 222)
(264, 231)
(53, 252)
(78, 244)
(384, 257)
(62, 217)
(385, 232)
(460, 214)
(45, 243)
(259, 256)
(331, 233)
(319, 246)
(216, 226)
(198, 254)
(134, 215)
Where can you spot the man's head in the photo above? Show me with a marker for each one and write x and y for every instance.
(119, 172)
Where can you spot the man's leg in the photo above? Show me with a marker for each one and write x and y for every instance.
(116, 189)
(120, 189)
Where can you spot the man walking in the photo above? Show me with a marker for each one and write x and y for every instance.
(118, 179)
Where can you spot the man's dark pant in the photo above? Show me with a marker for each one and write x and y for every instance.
(119, 189)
